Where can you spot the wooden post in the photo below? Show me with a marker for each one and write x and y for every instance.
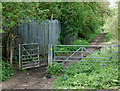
(110, 57)
(50, 54)
(11, 51)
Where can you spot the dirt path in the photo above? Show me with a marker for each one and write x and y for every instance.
(31, 79)
(96, 41)
(36, 78)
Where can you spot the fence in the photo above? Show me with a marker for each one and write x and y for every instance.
(95, 53)
(41, 32)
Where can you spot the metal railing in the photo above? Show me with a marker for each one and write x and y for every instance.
(65, 53)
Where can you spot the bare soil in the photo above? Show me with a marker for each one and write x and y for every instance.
(35, 78)
(30, 79)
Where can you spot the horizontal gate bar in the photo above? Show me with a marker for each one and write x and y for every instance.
(30, 44)
(32, 64)
(79, 60)
(87, 52)
(31, 49)
(29, 67)
(28, 58)
(30, 61)
(91, 45)
(77, 57)
(30, 55)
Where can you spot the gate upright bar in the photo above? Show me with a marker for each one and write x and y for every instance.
(50, 54)
(19, 57)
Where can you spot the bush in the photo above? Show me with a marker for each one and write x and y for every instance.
(7, 71)
(56, 68)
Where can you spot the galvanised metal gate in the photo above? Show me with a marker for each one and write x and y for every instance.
(98, 53)
(28, 55)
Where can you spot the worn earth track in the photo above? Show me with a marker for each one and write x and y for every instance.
(31, 79)
(36, 78)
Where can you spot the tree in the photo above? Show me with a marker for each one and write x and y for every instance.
(111, 25)
(14, 13)
(76, 17)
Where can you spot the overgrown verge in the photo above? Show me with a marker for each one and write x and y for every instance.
(7, 71)
(90, 75)
(111, 26)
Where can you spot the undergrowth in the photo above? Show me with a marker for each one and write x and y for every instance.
(108, 37)
(56, 68)
(90, 75)
(92, 36)
(7, 71)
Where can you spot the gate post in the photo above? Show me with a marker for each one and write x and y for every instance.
(50, 54)
(19, 57)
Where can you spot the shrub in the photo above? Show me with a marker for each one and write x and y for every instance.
(7, 71)
(56, 68)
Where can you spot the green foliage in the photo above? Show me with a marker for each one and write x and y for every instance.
(71, 48)
(91, 75)
(22, 70)
(108, 37)
(7, 71)
(56, 68)
(15, 60)
(111, 25)
(92, 35)
(80, 42)
(82, 18)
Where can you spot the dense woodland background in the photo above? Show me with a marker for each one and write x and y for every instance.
(82, 20)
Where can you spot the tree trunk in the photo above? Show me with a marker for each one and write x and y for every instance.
(7, 43)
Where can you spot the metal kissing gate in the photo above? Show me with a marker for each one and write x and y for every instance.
(97, 53)
(28, 55)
